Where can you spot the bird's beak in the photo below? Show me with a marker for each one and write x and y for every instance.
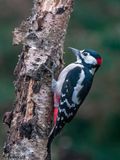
(76, 52)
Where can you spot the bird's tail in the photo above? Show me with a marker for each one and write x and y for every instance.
(50, 139)
(54, 132)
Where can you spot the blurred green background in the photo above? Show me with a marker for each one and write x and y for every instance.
(94, 134)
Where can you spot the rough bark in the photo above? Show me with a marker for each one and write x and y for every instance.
(42, 36)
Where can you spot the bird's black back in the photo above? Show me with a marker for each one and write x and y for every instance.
(66, 112)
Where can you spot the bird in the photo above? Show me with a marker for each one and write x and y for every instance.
(71, 88)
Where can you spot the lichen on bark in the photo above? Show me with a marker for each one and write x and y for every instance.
(42, 36)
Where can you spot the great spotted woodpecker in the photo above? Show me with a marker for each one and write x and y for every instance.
(72, 86)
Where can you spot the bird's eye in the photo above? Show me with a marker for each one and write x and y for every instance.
(85, 53)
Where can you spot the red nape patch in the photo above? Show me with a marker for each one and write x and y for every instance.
(55, 114)
(99, 61)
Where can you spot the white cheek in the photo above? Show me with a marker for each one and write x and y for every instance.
(89, 60)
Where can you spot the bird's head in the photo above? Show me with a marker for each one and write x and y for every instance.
(88, 58)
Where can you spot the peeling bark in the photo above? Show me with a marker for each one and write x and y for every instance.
(42, 36)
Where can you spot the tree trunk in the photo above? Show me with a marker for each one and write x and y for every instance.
(42, 36)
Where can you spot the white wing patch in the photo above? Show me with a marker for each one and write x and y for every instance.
(66, 101)
(66, 114)
(78, 87)
(63, 75)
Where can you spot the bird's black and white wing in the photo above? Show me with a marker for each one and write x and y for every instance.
(69, 100)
